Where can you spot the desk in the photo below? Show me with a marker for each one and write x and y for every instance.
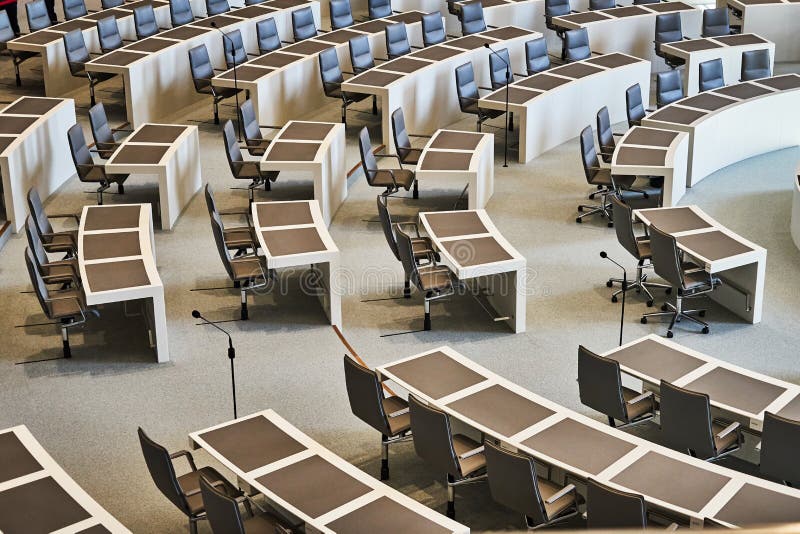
(37, 495)
(566, 99)
(796, 211)
(733, 123)
(728, 48)
(583, 447)
(775, 20)
(646, 151)
(740, 264)
(452, 154)
(630, 29)
(297, 474)
(117, 263)
(170, 152)
(473, 248)
(318, 148)
(34, 151)
(294, 233)
(423, 82)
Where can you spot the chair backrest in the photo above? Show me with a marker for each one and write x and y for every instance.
(211, 201)
(233, 45)
(556, 8)
(715, 22)
(39, 287)
(466, 88)
(595, 5)
(218, 229)
(623, 226)
(406, 253)
(6, 31)
(341, 14)
(215, 7)
(76, 51)
(755, 65)
(610, 508)
(232, 150)
(40, 219)
(396, 40)
(577, 45)
(686, 420)
(669, 87)
(668, 28)
(144, 19)
(589, 154)
(433, 29)
(600, 384)
(35, 246)
(666, 259)
(108, 4)
(379, 8)
(162, 471)
(472, 20)
(201, 67)
(634, 105)
(249, 122)
(536, 57)
(303, 25)
(605, 135)
(81, 156)
(711, 75)
(330, 72)
(108, 34)
(38, 17)
(74, 9)
(780, 441)
(180, 12)
(402, 142)
(360, 54)
(499, 67)
(267, 35)
(433, 438)
(386, 224)
(513, 482)
(222, 511)
(369, 164)
(101, 130)
(365, 395)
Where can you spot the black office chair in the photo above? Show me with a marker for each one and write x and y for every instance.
(202, 74)
(379, 9)
(610, 509)
(605, 135)
(634, 106)
(106, 138)
(514, 483)
(716, 22)
(536, 57)
(407, 154)
(216, 7)
(267, 35)
(557, 8)
(37, 15)
(576, 45)
(471, 18)
(686, 424)
(74, 9)
(780, 441)
(239, 239)
(233, 45)
(690, 281)
(669, 87)
(8, 33)
(468, 95)
(144, 21)
(668, 30)
(63, 273)
(422, 247)
(433, 31)
(595, 5)
(397, 44)
(224, 515)
(64, 242)
(390, 179)
(77, 57)
(498, 68)
(360, 54)
(89, 171)
(242, 169)
(180, 12)
(332, 78)
(303, 25)
(341, 14)
(755, 65)
(108, 34)
(109, 4)
(711, 75)
(255, 143)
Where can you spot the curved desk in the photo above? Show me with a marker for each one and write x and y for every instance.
(554, 106)
(796, 211)
(775, 20)
(734, 123)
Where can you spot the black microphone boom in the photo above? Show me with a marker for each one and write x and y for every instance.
(225, 36)
(231, 355)
(624, 290)
(508, 80)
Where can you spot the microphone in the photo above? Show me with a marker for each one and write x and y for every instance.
(605, 257)
(231, 351)
(493, 51)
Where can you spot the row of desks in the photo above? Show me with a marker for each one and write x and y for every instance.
(775, 20)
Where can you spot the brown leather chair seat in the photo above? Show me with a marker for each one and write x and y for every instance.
(399, 423)
(403, 177)
(238, 238)
(726, 441)
(637, 409)
(66, 307)
(547, 489)
(432, 278)
(472, 464)
(247, 268)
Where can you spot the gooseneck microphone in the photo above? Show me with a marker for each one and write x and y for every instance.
(231, 355)
(227, 38)
(624, 291)
(508, 117)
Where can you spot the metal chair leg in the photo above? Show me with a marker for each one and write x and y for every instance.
(374, 104)
(451, 497)
(216, 112)
(244, 314)
(384, 458)
(427, 323)
(65, 341)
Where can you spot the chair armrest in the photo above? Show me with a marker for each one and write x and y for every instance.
(191, 493)
(55, 234)
(617, 134)
(641, 397)
(672, 527)
(64, 216)
(387, 156)
(253, 55)
(416, 47)
(348, 72)
(566, 490)
(235, 211)
(410, 223)
(398, 413)
(469, 454)
(486, 88)
(728, 429)
(492, 27)
(188, 456)
(269, 127)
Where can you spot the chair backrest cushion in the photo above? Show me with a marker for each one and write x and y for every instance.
(605, 135)
(433, 29)
(215, 7)
(101, 130)
(38, 17)
(623, 226)
(466, 87)
(74, 9)
(360, 54)
(686, 420)
(365, 395)
(556, 8)
(600, 384)
(499, 67)
(595, 5)
(108, 34)
(755, 65)
(267, 34)
(386, 224)
(610, 508)
(513, 482)
(180, 12)
(711, 76)
(397, 40)
(402, 142)
(577, 44)
(76, 51)
(379, 8)
(536, 57)
(341, 14)
(222, 511)
(303, 25)
(588, 153)
(634, 105)
(200, 64)
(669, 87)
(472, 20)
(668, 28)
(666, 261)
(716, 22)
(162, 471)
(329, 70)
(249, 121)
(81, 156)
(144, 19)
(233, 45)
(780, 441)
(433, 438)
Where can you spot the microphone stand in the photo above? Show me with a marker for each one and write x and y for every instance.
(231, 355)
(624, 290)
(508, 79)
(235, 77)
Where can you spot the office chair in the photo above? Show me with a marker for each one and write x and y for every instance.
(755, 65)
(513, 482)
(690, 281)
(497, 68)
(715, 22)
(267, 35)
(109, 4)
(332, 77)
(379, 8)
(255, 143)
(435, 281)
(396, 40)
(106, 138)
(596, 5)
(557, 8)
(38, 17)
(536, 57)
(360, 54)
(233, 45)
(600, 387)
(108, 34)
(180, 12)
(341, 14)
(390, 179)
(144, 21)
(609, 509)
(780, 439)
(407, 154)
(242, 169)
(433, 31)
(202, 73)
(183, 491)
(387, 415)
(215, 7)
(634, 106)
(64, 242)
(458, 456)
(17, 56)
(74, 9)
(638, 247)
(668, 30)
(711, 75)
(77, 57)
(225, 517)
(237, 238)
(669, 87)
(63, 273)
(686, 424)
(605, 135)
(468, 95)
(421, 247)
(471, 18)
(89, 171)
(303, 25)
(576, 45)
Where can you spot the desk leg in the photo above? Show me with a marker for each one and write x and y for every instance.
(524, 149)
(160, 325)
(329, 295)
(736, 282)
(481, 182)
(506, 293)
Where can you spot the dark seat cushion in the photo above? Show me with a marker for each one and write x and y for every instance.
(190, 482)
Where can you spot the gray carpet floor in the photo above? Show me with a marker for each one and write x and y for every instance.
(85, 411)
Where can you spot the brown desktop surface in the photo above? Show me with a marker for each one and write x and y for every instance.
(97, 529)
(516, 95)
(409, 17)
(5, 141)
(782, 83)
(501, 410)
(759, 2)
(436, 374)
(111, 245)
(743, 91)
(251, 12)
(111, 217)
(314, 486)
(405, 65)
(116, 275)
(627, 11)
(707, 101)
(38, 507)
(41, 37)
(613, 60)
(139, 154)
(674, 220)
(507, 32)
(293, 241)
(283, 4)
(376, 78)
(641, 135)
(151, 44)
(657, 360)
(118, 13)
(455, 223)
(221, 20)
(677, 115)
(14, 125)
(157, 133)
(584, 18)
(739, 40)
(118, 58)
(17, 459)
(372, 26)
(694, 45)
(386, 516)
(667, 7)
(75, 24)
(307, 48)
(753, 505)
(307, 131)
(30, 105)
(283, 213)
(436, 53)
(184, 33)
(140, 3)
(736, 390)
(338, 36)
(245, 73)
(630, 155)
(791, 410)
(448, 140)
(252, 443)
(470, 42)
(292, 151)
(576, 70)
(476, 251)
(713, 245)
(274, 60)
(434, 160)
(542, 82)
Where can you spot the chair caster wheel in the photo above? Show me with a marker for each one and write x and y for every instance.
(643, 320)
(663, 307)
(610, 224)
(609, 284)
(702, 313)
(668, 291)
(613, 299)
(591, 197)
(578, 220)
(705, 330)
(649, 303)
(669, 333)
(646, 195)
(580, 209)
